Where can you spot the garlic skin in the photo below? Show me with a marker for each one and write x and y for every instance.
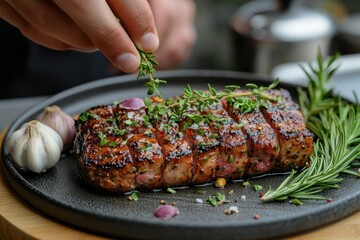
(35, 147)
(61, 122)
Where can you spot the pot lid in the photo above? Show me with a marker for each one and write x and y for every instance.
(270, 20)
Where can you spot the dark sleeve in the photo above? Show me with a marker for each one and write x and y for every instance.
(29, 69)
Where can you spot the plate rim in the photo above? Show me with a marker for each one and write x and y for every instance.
(14, 180)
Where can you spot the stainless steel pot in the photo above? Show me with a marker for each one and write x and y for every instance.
(269, 32)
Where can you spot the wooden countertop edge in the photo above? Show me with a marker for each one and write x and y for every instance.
(18, 220)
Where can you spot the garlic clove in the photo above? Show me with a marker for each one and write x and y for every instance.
(35, 147)
(61, 122)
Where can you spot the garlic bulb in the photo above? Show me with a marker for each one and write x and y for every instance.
(61, 122)
(35, 146)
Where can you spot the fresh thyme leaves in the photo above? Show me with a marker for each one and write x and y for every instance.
(86, 115)
(133, 197)
(337, 126)
(217, 199)
(246, 101)
(146, 68)
(170, 190)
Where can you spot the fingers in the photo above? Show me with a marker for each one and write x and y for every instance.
(86, 26)
(42, 21)
(137, 18)
(97, 20)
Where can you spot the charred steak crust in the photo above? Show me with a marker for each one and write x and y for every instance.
(120, 150)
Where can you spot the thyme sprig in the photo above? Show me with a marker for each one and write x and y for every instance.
(147, 60)
(336, 125)
(246, 101)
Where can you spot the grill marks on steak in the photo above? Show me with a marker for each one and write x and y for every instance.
(99, 164)
(232, 158)
(229, 143)
(178, 158)
(144, 148)
(263, 147)
(295, 140)
(204, 145)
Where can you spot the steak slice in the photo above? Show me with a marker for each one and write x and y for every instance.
(103, 160)
(232, 158)
(295, 140)
(177, 153)
(204, 145)
(263, 146)
(145, 150)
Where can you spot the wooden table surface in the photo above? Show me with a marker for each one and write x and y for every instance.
(18, 220)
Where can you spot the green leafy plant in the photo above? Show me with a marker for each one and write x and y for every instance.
(147, 60)
(337, 128)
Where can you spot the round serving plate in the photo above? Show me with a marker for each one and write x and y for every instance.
(61, 195)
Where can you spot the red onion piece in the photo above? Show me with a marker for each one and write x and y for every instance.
(132, 103)
(166, 212)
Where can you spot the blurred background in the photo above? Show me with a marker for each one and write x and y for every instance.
(265, 37)
(240, 35)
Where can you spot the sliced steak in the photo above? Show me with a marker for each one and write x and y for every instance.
(176, 151)
(263, 146)
(204, 145)
(295, 140)
(145, 150)
(102, 157)
(232, 158)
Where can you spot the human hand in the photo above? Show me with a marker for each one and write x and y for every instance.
(174, 21)
(87, 26)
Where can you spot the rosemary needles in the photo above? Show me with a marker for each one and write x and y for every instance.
(337, 127)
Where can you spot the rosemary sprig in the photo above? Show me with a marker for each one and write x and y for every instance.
(147, 60)
(319, 96)
(338, 130)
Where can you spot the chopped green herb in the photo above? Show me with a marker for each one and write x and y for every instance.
(212, 201)
(257, 187)
(130, 122)
(148, 132)
(112, 144)
(187, 125)
(245, 184)
(133, 197)
(231, 158)
(103, 142)
(214, 135)
(201, 131)
(86, 115)
(220, 197)
(170, 190)
(123, 143)
(296, 201)
(120, 132)
(111, 120)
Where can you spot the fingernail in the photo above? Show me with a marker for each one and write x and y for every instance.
(127, 62)
(149, 42)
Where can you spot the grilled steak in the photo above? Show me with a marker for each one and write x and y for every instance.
(120, 149)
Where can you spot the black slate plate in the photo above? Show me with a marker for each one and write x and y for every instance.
(60, 194)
